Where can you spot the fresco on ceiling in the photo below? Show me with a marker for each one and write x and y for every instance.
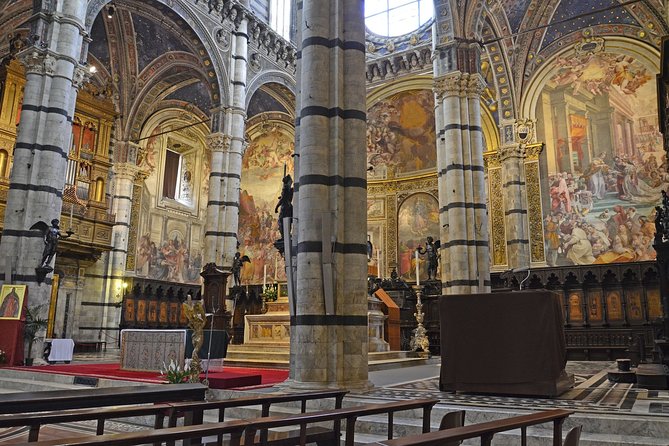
(401, 133)
(606, 166)
(171, 259)
(154, 40)
(262, 102)
(262, 172)
(417, 219)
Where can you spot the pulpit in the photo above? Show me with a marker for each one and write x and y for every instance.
(503, 343)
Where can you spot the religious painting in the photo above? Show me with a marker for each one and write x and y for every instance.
(595, 306)
(11, 301)
(634, 310)
(401, 136)
(141, 311)
(170, 259)
(266, 159)
(606, 167)
(418, 218)
(376, 208)
(614, 305)
(575, 309)
(654, 303)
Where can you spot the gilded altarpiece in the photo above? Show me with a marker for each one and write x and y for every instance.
(393, 193)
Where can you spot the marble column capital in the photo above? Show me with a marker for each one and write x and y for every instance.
(511, 151)
(459, 84)
(38, 62)
(127, 171)
(80, 76)
(218, 142)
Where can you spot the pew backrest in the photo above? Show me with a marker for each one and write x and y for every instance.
(51, 400)
(486, 431)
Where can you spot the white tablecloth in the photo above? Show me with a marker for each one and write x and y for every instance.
(61, 350)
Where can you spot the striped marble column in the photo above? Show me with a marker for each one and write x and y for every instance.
(227, 144)
(125, 175)
(53, 75)
(512, 157)
(461, 182)
(329, 328)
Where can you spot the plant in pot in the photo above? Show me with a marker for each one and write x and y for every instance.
(33, 325)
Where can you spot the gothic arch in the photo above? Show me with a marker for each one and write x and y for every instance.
(267, 77)
(197, 25)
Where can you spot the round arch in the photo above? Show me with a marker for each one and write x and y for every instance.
(646, 54)
(268, 77)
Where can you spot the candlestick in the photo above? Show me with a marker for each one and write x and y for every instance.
(417, 270)
(276, 267)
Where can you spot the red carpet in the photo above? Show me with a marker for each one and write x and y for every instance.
(228, 377)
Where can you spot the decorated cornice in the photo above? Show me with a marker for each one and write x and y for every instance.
(260, 34)
(510, 151)
(417, 60)
(127, 171)
(491, 160)
(80, 76)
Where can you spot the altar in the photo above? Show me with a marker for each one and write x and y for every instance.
(151, 350)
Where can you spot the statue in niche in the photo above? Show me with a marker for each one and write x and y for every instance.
(237, 264)
(431, 251)
(285, 205)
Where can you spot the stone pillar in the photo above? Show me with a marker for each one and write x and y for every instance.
(227, 144)
(512, 157)
(460, 171)
(53, 75)
(329, 328)
(125, 175)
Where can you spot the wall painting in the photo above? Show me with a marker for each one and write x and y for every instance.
(606, 166)
(401, 135)
(417, 219)
(262, 172)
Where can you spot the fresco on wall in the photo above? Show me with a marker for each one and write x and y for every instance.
(417, 219)
(262, 172)
(606, 166)
(401, 135)
(171, 259)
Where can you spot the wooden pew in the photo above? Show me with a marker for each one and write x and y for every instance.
(487, 430)
(192, 410)
(27, 402)
(331, 436)
(233, 428)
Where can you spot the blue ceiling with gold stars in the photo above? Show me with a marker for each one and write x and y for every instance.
(572, 8)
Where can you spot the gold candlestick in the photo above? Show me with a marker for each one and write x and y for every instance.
(419, 340)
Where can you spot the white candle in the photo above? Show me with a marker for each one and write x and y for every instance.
(417, 270)
(276, 267)
(71, 212)
(264, 276)
(378, 262)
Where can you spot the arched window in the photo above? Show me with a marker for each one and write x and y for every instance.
(397, 17)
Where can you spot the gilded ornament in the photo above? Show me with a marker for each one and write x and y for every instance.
(532, 183)
(497, 220)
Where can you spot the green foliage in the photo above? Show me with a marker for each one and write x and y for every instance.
(270, 293)
(33, 325)
(174, 373)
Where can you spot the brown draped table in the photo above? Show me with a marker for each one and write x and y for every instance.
(507, 343)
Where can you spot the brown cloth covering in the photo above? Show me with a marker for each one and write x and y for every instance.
(507, 343)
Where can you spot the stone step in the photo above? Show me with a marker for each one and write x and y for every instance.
(32, 385)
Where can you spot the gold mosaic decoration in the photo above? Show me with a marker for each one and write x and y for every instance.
(534, 213)
(497, 220)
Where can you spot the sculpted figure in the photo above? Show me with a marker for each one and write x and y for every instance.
(285, 205)
(431, 250)
(51, 237)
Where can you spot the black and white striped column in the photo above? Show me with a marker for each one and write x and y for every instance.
(53, 75)
(329, 340)
(512, 157)
(227, 144)
(125, 175)
(462, 198)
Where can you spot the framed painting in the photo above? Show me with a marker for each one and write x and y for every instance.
(11, 301)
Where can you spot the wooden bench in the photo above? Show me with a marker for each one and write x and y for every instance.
(487, 430)
(193, 411)
(28, 402)
(233, 428)
(331, 436)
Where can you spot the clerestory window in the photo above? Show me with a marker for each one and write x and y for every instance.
(393, 18)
